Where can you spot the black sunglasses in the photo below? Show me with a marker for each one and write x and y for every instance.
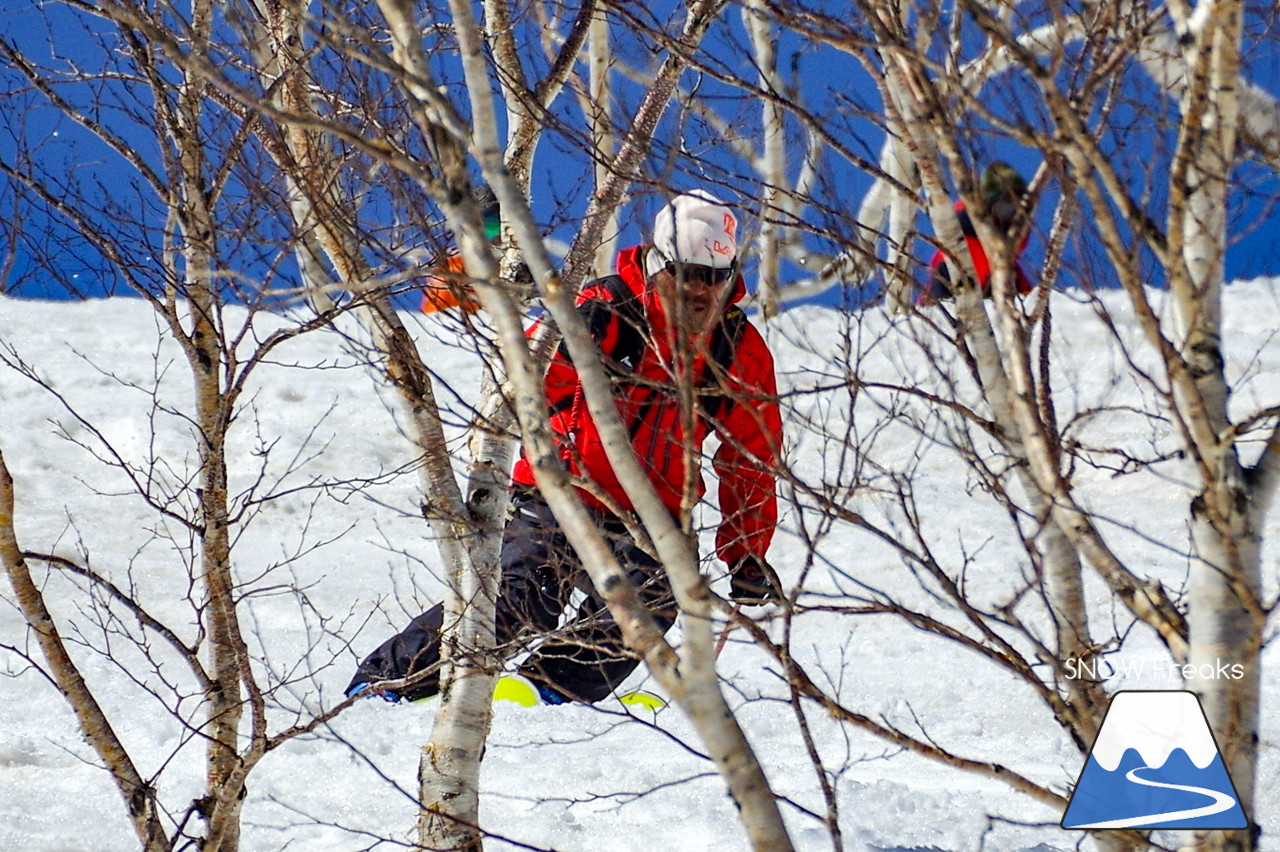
(710, 276)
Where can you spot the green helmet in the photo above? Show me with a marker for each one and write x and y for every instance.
(1003, 190)
(1002, 180)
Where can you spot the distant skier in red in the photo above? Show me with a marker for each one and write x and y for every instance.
(691, 270)
(1005, 194)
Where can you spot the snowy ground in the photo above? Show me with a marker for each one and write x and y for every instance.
(341, 558)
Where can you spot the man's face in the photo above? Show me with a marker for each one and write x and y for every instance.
(701, 291)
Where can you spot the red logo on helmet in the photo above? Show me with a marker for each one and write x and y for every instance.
(730, 226)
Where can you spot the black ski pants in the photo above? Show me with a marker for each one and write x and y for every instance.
(585, 659)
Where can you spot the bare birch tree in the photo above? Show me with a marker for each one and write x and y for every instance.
(193, 170)
(934, 90)
(695, 688)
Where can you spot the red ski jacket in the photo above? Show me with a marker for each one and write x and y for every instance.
(742, 392)
(939, 286)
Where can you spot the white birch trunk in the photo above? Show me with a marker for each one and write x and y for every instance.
(600, 116)
(773, 170)
(1224, 618)
(692, 683)
(895, 160)
(468, 531)
(228, 660)
(452, 755)
(1225, 615)
(449, 768)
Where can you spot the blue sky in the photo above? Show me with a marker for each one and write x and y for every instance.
(828, 82)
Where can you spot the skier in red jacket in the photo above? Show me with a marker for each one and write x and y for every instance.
(1005, 194)
(666, 320)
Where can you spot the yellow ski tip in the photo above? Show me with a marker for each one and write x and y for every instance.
(646, 700)
(517, 688)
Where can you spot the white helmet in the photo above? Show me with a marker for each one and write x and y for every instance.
(695, 228)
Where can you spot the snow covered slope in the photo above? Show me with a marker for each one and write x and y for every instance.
(341, 558)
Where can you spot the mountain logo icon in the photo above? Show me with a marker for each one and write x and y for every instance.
(1154, 765)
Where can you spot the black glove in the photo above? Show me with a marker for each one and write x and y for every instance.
(753, 583)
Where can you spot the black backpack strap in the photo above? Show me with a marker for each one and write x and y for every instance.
(624, 307)
(633, 325)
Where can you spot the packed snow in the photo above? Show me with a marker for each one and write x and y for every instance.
(340, 558)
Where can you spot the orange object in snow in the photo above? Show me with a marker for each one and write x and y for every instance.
(447, 288)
